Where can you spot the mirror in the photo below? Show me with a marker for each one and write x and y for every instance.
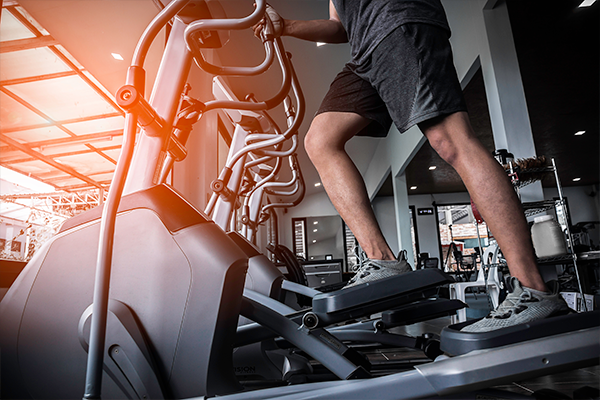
(319, 238)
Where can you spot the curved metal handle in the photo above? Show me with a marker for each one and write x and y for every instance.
(196, 28)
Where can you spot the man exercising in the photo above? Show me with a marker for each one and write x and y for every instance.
(402, 71)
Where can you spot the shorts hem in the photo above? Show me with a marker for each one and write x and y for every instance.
(425, 117)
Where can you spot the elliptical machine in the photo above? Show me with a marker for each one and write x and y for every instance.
(169, 285)
(162, 271)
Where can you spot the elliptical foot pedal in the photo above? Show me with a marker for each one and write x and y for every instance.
(455, 342)
(419, 311)
(372, 297)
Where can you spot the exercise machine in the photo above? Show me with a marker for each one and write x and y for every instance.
(152, 311)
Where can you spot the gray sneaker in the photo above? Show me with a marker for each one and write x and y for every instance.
(521, 306)
(373, 270)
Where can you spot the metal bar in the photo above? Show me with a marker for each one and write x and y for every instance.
(37, 78)
(71, 153)
(76, 139)
(63, 122)
(48, 160)
(26, 44)
(569, 236)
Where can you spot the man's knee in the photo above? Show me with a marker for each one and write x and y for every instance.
(443, 144)
(320, 140)
(448, 135)
(314, 143)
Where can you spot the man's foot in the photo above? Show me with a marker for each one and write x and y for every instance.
(521, 306)
(372, 270)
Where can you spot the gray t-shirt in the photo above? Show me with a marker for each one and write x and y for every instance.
(368, 22)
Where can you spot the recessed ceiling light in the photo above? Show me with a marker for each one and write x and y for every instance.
(314, 230)
(117, 56)
(314, 241)
(576, 179)
(413, 187)
(315, 223)
(317, 184)
(432, 167)
(587, 3)
(579, 133)
(319, 44)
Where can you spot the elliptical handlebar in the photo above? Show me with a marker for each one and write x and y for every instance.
(195, 28)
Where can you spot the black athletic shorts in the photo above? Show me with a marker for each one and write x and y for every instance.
(409, 78)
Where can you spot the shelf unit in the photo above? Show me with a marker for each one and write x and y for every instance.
(560, 209)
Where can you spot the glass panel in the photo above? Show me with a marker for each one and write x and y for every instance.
(69, 181)
(324, 238)
(13, 114)
(103, 178)
(29, 63)
(459, 238)
(96, 125)
(38, 134)
(299, 238)
(63, 98)
(86, 163)
(12, 29)
(34, 167)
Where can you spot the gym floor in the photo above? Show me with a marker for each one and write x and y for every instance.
(578, 384)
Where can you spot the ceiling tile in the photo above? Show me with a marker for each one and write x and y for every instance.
(86, 163)
(13, 114)
(63, 98)
(12, 29)
(30, 63)
(37, 134)
(96, 125)
(34, 167)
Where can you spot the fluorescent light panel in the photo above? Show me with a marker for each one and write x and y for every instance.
(587, 3)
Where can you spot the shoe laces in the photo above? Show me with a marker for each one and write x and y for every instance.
(365, 265)
(513, 305)
(361, 257)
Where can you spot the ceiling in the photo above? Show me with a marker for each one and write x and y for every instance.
(60, 124)
(557, 46)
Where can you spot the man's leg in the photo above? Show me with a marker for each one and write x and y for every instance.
(453, 139)
(342, 181)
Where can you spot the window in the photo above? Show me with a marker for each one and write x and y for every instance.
(459, 237)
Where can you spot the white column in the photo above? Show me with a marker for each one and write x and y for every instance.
(505, 93)
(402, 215)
